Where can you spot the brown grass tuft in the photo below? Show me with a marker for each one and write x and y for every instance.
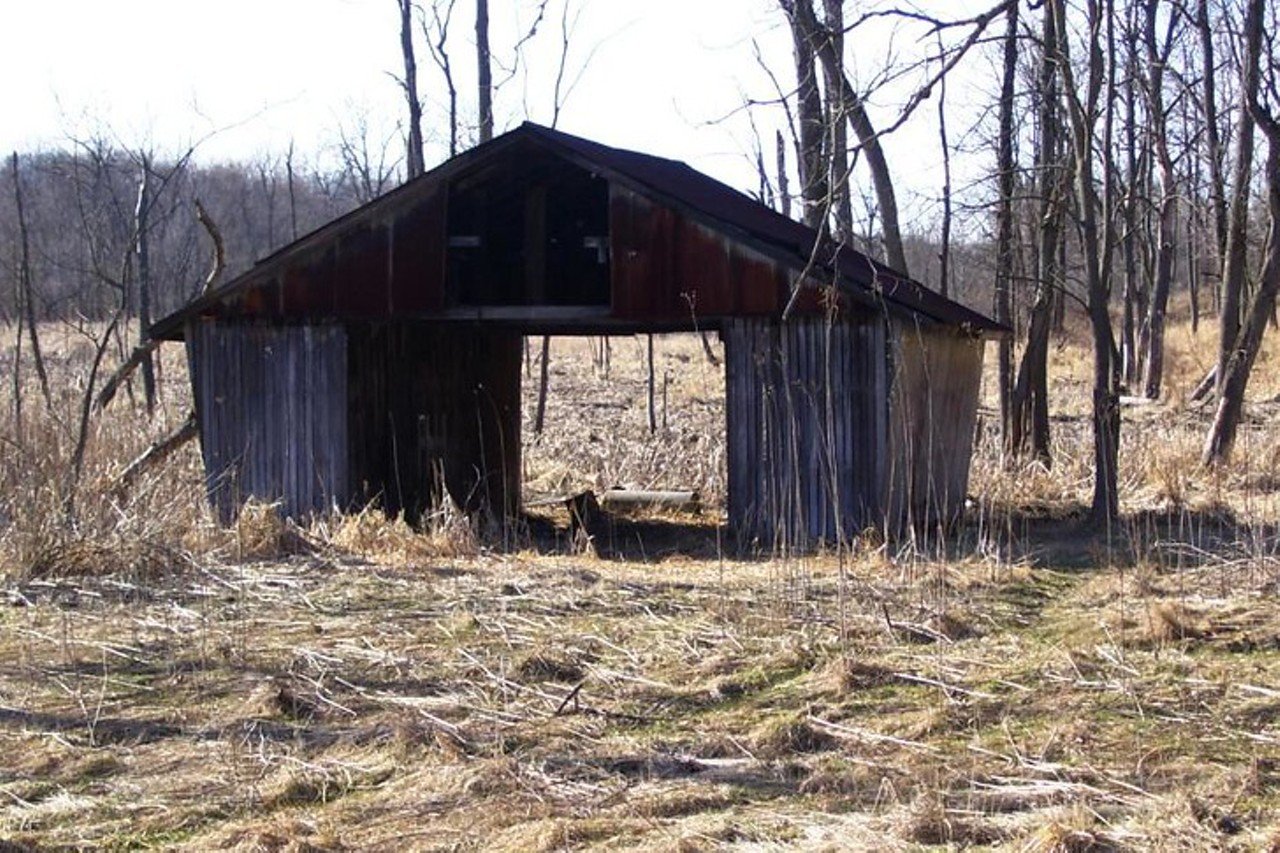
(134, 559)
(286, 835)
(1074, 832)
(373, 535)
(261, 533)
(786, 736)
(548, 666)
(845, 674)
(1171, 622)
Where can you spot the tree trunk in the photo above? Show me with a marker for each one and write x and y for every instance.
(1213, 135)
(18, 329)
(1233, 375)
(944, 252)
(1158, 122)
(1031, 394)
(805, 35)
(784, 190)
(1235, 261)
(855, 112)
(1131, 359)
(1004, 217)
(544, 379)
(484, 71)
(293, 198)
(1226, 422)
(838, 143)
(415, 165)
(653, 414)
(27, 286)
(142, 227)
(1082, 109)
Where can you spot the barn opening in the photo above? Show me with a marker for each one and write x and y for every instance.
(597, 434)
(379, 358)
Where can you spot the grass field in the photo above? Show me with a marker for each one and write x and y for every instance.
(1032, 684)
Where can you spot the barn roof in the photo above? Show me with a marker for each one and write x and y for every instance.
(669, 182)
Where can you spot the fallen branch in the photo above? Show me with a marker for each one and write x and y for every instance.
(123, 372)
(1207, 384)
(571, 697)
(913, 632)
(845, 731)
(157, 453)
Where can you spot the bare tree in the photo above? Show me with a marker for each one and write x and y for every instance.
(142, 249)
(1212, 132)
(1084, 107)
(437, 36)
(484, 71)
(368, 166)
(26, 296)
(811, 152)
(1158, 50)
(944, 250)
(1234, 264)
(1005, 176)
(1029, 419)
(414, 163)
(1233, 374)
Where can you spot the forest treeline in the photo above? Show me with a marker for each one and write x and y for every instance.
(91, 210)
(1132, 158)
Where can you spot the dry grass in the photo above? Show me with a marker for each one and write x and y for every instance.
(356, 684)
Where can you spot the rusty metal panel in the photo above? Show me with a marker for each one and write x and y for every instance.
(757, 282)
(262, 301)
(642, 237)
(417, 248)
(308, 290)
(360, 273)
(703, 273)
(668, 223)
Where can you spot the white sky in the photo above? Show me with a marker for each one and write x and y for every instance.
(167, 72)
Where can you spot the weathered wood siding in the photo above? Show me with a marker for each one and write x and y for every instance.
(271, 401)
(933, 414)
(806, 408)
(434, 407)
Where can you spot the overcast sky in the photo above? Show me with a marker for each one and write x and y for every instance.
(667, 77)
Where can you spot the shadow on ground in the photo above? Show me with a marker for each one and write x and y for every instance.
(1175, 538)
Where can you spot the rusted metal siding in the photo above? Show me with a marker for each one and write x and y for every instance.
(433, 408)
(806, 409)
(370, 270)
(417, 250)
(933, 414)
(271, 402)
(668, 268)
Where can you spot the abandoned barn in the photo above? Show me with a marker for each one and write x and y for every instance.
(378, 358)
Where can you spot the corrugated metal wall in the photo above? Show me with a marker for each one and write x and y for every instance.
(934, 406)
(806, 408)
(271, 401)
